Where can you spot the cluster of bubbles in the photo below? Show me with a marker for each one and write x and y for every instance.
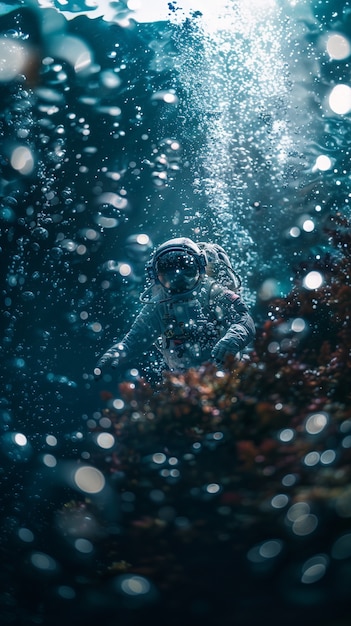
(302, 521)
(240, 76)
(245, 99)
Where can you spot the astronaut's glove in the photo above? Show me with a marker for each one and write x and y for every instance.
(111, 358)
(222, 350)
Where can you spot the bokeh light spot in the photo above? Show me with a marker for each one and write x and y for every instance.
(20, 439)
(294, 232)
(270, 549)
(305, 525)
(265, 551)
(49, 460)
(213, 488)
(323, 163)
(51, 440)
(338, 47)
(143, 240)
(159, 458)
(312, 458)
(105, 440)
(314, 569)
(279, 501)
(313, 280)
(286, 435)
(328, 457)
(341, 548)
(308, 226)
(43, 561)
(89, 479)
(22, 160)
(135, 585)
(83, 545)
(125, 269)
(298, 325)
(296, 510)
(269, 289)
(26, 535)
(289, 480)
(66, 592)
(316, 422)
(340, 99)
(118, 404)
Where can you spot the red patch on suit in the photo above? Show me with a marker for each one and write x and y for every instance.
(231, 296)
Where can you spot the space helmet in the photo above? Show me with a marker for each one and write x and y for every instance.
(177, 265)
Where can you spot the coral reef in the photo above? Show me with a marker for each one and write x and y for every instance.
(235, 484)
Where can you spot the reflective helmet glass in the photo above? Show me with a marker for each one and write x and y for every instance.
(177, 271)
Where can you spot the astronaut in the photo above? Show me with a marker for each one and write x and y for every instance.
(187, 314)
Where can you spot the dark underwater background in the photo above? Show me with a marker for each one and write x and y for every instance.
(209, 497)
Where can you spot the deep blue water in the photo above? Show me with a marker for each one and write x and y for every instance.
(117, 135)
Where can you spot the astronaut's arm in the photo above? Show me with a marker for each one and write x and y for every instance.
(241, 330)
(142, 334)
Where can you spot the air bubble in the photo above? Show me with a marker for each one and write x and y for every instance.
(16, 447)
(40, 233)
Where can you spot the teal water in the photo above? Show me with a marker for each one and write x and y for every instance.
(120, 129)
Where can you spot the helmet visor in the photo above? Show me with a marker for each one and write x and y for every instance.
(177, 271)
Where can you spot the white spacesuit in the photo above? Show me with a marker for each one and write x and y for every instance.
(189, 316)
